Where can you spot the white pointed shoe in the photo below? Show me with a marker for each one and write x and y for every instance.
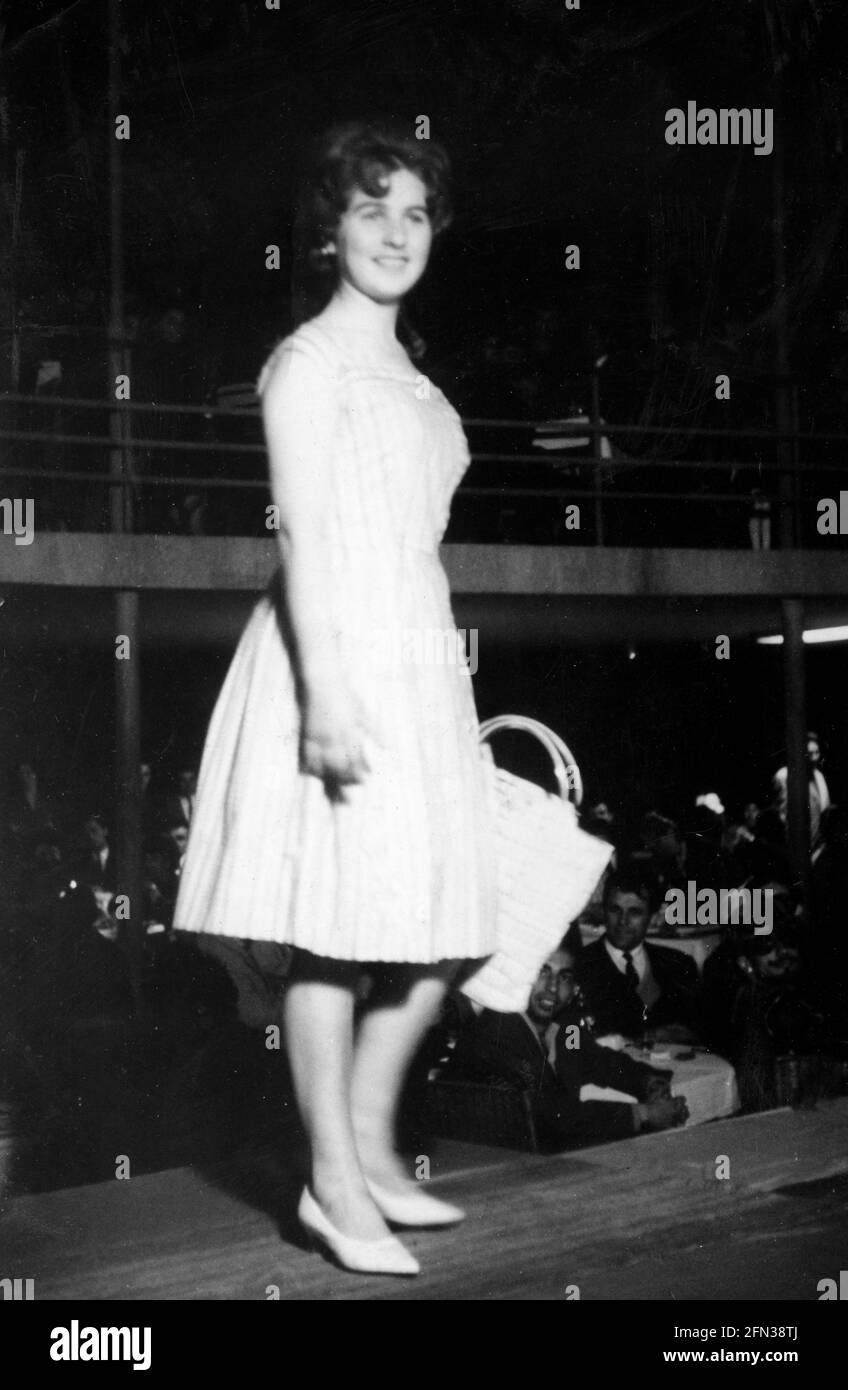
(386, 1256)
(414, 1207)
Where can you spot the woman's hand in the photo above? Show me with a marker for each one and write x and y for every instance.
(337, 740)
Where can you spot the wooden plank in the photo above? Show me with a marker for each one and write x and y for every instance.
(645, 1218)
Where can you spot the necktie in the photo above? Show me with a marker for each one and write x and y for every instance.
(631, 974)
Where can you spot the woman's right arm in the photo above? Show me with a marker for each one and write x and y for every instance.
(300, 405)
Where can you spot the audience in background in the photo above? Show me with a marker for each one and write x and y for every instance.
(705, 855)
(819, 794)
(775, 1005)
(93, 864)
(662, 858)
(631, 987)
(28, 816)
(149, 812)
(178, 803)
(765, 1012)
(548, 1053)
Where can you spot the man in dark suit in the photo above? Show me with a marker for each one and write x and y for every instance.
(177, 807)
(631, 987)
(94, 864)
(545, 1051)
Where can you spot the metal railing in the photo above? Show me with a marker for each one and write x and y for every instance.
(724, 488)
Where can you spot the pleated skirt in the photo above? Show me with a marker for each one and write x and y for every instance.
(403, 868)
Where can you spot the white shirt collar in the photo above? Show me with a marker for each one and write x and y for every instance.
(639, 958)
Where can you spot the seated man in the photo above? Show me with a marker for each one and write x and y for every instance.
(94, 864)
(547, 1052)
(731, 967)
(633, 988)
(770, 1012)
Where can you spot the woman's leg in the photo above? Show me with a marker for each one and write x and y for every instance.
(404, 1003)
(318, 1018)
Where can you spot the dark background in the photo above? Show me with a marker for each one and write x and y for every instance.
(650, 732)
(555, 122)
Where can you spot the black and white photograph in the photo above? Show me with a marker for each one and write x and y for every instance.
(424, 664)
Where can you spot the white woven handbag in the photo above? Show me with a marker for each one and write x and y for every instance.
(548, 868)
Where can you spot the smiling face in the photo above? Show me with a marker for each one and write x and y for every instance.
(382, 244)
(781, 962)
(554, 987)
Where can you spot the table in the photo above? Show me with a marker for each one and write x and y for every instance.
(707, 1082)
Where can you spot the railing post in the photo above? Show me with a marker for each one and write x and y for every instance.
(787, 477)
(787, 507)
(127, 654)
(795, 452)
(127, 779)
(596, 450)
(795, 720)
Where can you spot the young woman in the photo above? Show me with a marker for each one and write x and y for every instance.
(342, 804)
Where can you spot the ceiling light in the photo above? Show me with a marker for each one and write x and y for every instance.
(811, 637)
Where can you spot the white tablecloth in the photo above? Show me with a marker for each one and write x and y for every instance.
(706, 1081)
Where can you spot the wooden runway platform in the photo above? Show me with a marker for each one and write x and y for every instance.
(642, 1219)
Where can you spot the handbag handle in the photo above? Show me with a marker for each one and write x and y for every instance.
(566, 771)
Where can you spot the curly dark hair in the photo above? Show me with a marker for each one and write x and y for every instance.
(361, 154)
(358, 155)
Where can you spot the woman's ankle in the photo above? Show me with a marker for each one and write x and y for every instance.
(382, 1164)
(348, 1206)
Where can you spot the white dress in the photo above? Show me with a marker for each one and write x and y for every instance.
(403, 870)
